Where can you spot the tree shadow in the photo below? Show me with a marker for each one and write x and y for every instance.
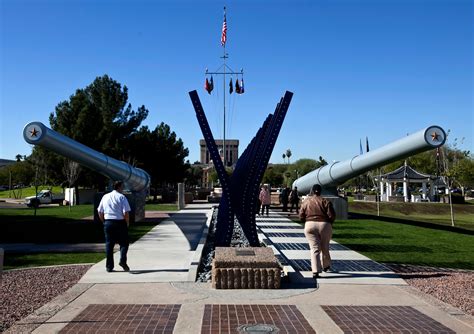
(361, 236)
(388, 248)
(356, 216)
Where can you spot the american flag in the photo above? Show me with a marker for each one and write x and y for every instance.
(224, 31)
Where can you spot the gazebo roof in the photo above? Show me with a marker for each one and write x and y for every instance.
(406, 172)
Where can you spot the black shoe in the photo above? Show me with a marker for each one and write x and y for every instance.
(124, 266)
(315, 275)
(327, 269)
(109, 270)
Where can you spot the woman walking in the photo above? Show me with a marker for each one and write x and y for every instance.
(318, 215)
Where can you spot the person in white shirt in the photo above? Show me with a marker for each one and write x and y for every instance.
(114, 213)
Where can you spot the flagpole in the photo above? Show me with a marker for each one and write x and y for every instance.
(223, 139)
(227, 70)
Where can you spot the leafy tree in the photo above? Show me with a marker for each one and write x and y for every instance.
(273, 176)
(194, 175)
(160, 153)
(424, 162)
(22, 172)
(300, 168)
(99, 117)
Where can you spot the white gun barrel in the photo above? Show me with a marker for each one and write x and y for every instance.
(135, 179)
(336, 173)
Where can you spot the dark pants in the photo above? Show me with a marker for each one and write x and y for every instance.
(267, 206)
(285, 206)
(293, 204)
(116, 231)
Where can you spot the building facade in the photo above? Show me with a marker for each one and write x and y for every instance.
(232, 151)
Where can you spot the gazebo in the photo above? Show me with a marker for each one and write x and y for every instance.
(406, 175)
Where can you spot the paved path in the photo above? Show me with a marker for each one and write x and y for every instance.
(289, 244)
(363, 295)
(168, 253)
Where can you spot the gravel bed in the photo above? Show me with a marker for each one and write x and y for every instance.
(454, 287)
(23, 291)
(238, 240)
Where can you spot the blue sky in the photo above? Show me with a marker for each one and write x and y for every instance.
(377, 68)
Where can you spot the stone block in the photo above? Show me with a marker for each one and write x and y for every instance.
(245, 268)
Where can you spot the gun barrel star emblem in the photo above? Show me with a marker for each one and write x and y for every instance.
(435, 136)
(34, 132)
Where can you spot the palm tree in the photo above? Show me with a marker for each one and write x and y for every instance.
(288, 154)
(283, 156)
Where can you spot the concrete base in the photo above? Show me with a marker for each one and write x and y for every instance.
(245, 268)
(340, 206)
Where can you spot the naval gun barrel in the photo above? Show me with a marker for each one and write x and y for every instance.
(336, 173)
(135, 179)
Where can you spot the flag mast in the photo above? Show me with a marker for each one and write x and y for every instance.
(223, 40)
(226, 70)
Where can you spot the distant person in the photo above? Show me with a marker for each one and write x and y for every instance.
(265, 199)
(294, 199)
(285, 197)
(114, 213)
(318, 215)
(259, 203)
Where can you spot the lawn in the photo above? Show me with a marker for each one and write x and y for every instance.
(410, 233)
(389, 242)
(431, 213)
(14, 261)
(161, 207)
(59, 225)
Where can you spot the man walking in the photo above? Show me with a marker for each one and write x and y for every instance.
(114, 213)
(294, 199)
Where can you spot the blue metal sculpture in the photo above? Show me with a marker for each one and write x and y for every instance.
(240, 191)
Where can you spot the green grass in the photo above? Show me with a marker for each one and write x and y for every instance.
(15, 261)
(58, 225)
(430, 213)
(161, 207)
(410, 233)
(25, 192)
(389, 242)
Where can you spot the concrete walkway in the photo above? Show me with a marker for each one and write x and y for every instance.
(170, 252)
(163, 296)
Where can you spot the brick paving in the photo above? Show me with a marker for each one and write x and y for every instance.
(383, 319)
(223, 319)
(125, 318)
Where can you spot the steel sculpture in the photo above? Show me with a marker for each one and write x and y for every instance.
(136, 180)
(240, 191)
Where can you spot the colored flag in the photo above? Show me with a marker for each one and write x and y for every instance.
(206, 86)
(237, 86)
(211, 85)
(242, 86)
(224, 31)
(360, 143)
(231, 86)
(366, 144)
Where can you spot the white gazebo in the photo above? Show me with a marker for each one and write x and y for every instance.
(406, 175)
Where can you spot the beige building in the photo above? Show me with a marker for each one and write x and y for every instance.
(232, 151)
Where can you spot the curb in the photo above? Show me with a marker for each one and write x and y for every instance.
(196, 260)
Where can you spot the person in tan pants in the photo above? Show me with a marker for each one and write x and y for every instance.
(318, 215)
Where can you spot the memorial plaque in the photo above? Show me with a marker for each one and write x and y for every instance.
(244, 252)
